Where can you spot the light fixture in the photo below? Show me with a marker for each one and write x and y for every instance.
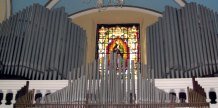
(103, 4)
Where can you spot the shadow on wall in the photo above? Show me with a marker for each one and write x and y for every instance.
(12, 77)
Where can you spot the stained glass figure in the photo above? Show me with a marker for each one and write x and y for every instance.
(122, 39)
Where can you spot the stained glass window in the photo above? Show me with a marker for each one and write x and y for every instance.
(119, 38)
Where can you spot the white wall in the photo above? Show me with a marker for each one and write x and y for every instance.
(5, 9)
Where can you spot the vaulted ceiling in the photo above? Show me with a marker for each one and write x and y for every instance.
(75, 6)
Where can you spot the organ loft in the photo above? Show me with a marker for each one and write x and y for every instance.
(108, 54)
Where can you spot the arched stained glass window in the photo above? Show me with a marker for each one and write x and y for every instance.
(118, 38)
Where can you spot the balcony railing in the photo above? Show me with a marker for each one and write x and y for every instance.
(44, 87)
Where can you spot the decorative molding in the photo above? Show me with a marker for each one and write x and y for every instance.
(181, 2)
(51, 3)
(143, 10)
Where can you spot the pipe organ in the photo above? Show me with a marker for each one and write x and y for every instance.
(43, 44)
(183, 43)
(38, 43)
(113, 87)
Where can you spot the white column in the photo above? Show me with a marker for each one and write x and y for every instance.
(167, 98)
(35, 92)
(207, 90)
(186, 93)
(43, 92)
(177, 95)
(13, 101)
(4, 96)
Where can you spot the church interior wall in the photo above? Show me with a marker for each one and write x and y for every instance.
(2, 10)
(89, 23)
